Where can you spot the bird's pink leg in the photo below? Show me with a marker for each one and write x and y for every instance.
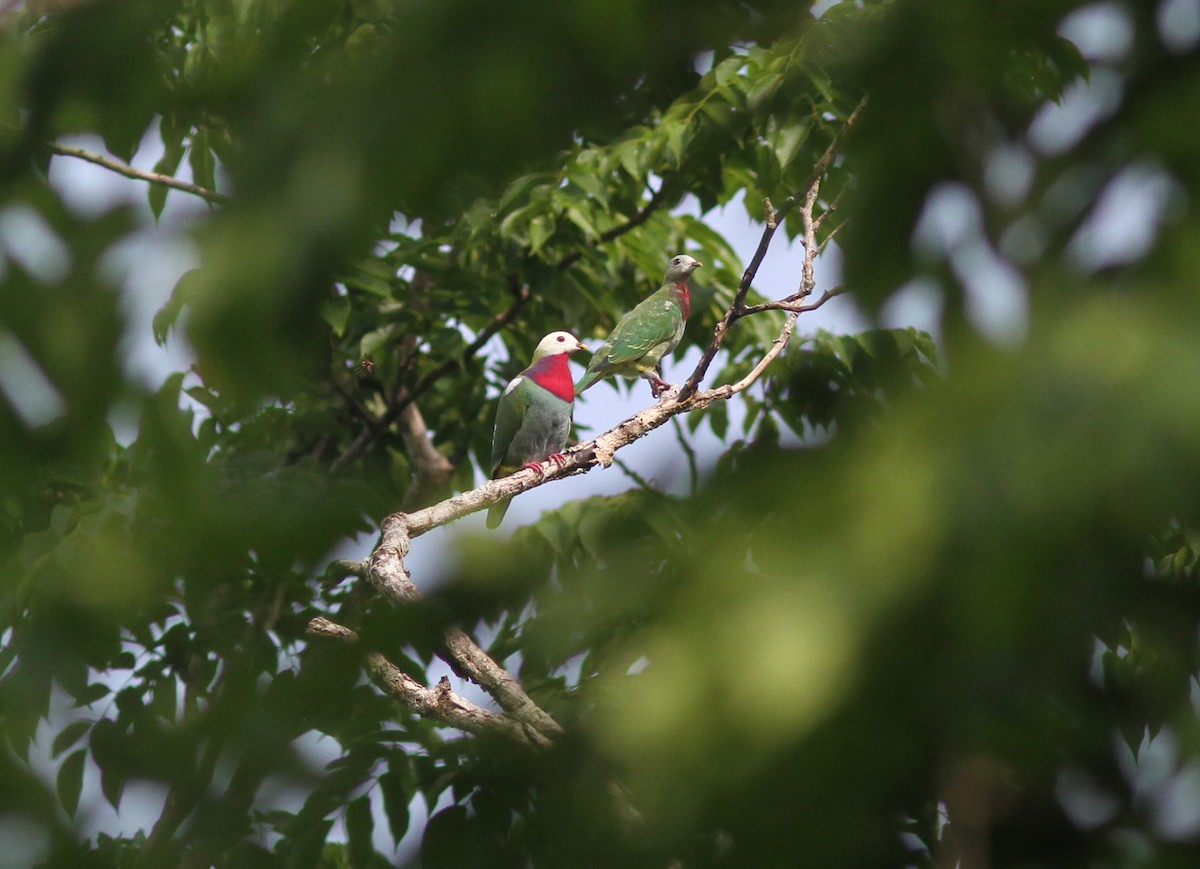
(657, 385)
(557, 458)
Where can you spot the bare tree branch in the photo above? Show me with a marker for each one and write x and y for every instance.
(808, 279)
(773, 218)
(139, 174)
(431, 469)
(391, 579)
(579, 460)
(438, 703)
(793, 305)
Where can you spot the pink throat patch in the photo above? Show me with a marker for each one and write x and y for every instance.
(685, 299)
(552, 374)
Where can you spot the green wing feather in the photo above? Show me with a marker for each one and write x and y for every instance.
(513, 405)
(653, 323)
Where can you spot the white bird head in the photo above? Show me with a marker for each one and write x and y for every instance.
(557, 342)
(680, 267)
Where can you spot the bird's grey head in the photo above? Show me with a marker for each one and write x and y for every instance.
(681, 266)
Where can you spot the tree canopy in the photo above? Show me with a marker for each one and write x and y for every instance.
(934, 601)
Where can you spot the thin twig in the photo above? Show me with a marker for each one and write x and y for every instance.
(774, 219)
(789, 324)
(139, 174)
(832, 235)
(638, 480)
(689, 453)
(808, 277)
(831, 208)
(359, 409)
(792, 304)
(822, 165)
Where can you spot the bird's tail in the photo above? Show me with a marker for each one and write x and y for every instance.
(496, 513)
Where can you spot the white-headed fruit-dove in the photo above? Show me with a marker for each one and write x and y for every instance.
(534, 415)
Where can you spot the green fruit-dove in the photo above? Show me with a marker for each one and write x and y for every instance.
(534, 415)
(647, 333)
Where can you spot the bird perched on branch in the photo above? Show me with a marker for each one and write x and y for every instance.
(533, 418)
(647, 333)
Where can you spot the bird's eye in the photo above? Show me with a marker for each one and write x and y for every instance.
(561, 339)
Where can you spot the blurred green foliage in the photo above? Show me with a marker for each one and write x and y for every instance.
(936, 601)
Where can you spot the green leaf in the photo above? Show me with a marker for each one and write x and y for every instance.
(359, 827)
(396, 799)
(190, 284)
(68, 736)
(167, 165)
(718, 418)
(788, 139)
(520, 188)
(452, 841)
(308, 842)
(336, 312)
(108, 750)
(719, 112)
(581, 220)
(766, 164)
(93, 692)
(631, 155)
(540, 230)
(728, 70)
(677, 138)
(762, 90)
(200, 158)
(70, 780)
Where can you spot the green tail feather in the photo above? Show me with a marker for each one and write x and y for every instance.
(496, 513)
(584, 382)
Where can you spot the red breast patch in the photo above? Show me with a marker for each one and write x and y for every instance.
(552, 374)
(685, 299)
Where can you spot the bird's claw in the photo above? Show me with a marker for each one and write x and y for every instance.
(658, 387)
(557, 459)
